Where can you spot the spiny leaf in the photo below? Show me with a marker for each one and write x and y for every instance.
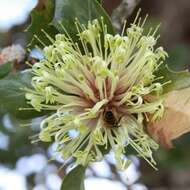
(41, 19)
(64, 11)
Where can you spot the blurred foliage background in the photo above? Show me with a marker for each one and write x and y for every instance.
(19, 157)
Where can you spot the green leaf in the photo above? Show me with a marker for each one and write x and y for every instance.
(12, 95)
(178, 79)
(5, 69)
(75, 179)
(41, 19)
(175, 69)
(178, 58)
(84, 10)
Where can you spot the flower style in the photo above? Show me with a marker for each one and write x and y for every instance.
(99, 87)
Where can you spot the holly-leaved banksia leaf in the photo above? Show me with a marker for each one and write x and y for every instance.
(97, 87)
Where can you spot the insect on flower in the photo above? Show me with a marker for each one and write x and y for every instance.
(80, 81)
(111, 120)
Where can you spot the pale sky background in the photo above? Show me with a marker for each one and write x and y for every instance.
(15, 12)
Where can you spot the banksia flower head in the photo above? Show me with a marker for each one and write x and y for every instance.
(98, 87)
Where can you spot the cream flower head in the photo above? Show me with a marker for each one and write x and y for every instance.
(98, 87)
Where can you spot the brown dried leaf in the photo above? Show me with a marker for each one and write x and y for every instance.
(176, 119)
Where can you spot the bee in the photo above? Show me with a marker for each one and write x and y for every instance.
(111, 120)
